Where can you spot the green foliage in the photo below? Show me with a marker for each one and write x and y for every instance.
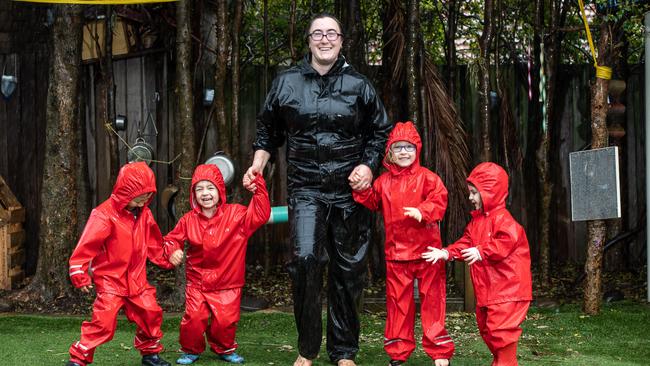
(514, 17)
(557, 336)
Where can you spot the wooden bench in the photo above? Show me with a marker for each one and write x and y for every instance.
(12, 237)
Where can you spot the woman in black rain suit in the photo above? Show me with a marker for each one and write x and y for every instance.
(335, 128)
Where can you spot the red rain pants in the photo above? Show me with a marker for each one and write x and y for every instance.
(222, 306)
(141, 309)
(399, 336)
(499, 325)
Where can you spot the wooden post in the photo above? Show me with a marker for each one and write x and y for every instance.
(12, 237)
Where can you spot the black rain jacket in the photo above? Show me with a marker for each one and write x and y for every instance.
(331, 124)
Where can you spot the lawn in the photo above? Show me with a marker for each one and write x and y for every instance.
(558, 336)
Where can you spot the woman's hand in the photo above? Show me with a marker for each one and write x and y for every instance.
(360, 178)
(260, 159)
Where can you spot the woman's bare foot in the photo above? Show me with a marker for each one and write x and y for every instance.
(301, 361)
(442, 362)
(346, 362)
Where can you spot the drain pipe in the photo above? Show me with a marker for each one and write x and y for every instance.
(279, 214)
(646, 23)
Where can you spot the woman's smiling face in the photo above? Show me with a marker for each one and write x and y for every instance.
(324, 51)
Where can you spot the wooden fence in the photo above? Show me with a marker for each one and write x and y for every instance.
(145, 93)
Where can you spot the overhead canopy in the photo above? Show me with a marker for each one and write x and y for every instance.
(97, 2)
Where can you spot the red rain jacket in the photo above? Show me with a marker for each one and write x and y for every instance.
(503, 274)
(216, 256)
(115, 244)
(412, 186)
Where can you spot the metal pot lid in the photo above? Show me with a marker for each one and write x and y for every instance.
(225, 165)
(140, 151)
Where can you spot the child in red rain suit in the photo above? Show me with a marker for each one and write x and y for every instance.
(119, 237)
(217, 233)
(412, 200)
(496, 249)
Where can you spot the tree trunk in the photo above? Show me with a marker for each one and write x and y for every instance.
(235, 87)
(393, 86)
(453, 7)
(412, 64)
(184, 143)
(354, 45)
(58, 224)
(109, 84)
(485, 42)
(599, 139)
(223, 130)
(292, 32)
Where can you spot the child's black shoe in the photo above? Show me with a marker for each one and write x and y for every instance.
(70, 363)
(395, 363)
(154, 360)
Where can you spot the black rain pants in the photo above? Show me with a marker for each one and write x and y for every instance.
(334, 234)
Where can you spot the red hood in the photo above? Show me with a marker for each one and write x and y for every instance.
(210, 173)
(133, 180)
(492, 183)
(403, 131)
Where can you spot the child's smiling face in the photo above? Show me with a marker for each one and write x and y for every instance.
(206, 194)
(403, 153)
(475, 197)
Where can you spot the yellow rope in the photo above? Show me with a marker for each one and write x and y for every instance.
(110, 128)
(602, 72)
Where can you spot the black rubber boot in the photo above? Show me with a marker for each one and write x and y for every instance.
(154, 360)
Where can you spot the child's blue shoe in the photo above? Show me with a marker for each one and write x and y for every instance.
(187, 359)
(232, 358)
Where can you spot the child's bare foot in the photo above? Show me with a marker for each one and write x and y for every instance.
(442, 362)
(346, 362)
(301, 361)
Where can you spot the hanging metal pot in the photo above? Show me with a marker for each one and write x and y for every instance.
(140, 151)
(8, 85)
(120, 123)
(225, 165)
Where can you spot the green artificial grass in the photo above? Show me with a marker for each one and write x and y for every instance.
(560, 336)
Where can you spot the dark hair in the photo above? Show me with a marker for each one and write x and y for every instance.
(321, 16)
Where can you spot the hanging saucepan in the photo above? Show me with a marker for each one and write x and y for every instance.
(120, 123)
(8, 85)
(225, 165)
(140, 151)
(8, 82)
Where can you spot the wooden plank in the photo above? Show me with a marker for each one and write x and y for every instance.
(5, 282)
(14, 149)
(120, 80)
(133, 98)
(103, 173)
(15, 240)
(16, 276)
(7, 199)
(88, 90)
(166, 137)
(16, 258)
(13, 228)
(150, 123)
(4, 127)
(32, 203)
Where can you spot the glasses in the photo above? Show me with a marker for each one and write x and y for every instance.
(398, 148)
(331, 35)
